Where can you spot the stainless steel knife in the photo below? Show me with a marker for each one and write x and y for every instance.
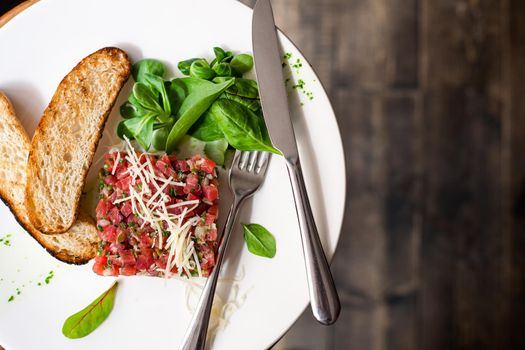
(268, 68)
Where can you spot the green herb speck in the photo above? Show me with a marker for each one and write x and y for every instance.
(287, 56)
(298, 64)
(49, 276)
(300, 84)
(11, 298)
(5, 240)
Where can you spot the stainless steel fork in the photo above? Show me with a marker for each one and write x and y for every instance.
(246, 175)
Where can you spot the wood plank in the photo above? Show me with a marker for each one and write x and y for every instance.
(377, 257)
(359, 260)
(361, 45)
(402, 211)
(402, 44)
(515, 138)
(378, 109)
(463, 292)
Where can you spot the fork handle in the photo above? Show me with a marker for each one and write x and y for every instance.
(195, 337)
(323, 295)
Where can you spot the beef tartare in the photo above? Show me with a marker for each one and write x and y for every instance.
(156, 215)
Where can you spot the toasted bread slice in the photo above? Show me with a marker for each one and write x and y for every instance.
(66, 138)
(79, 244)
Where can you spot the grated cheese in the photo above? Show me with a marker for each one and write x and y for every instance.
(116, 164)
(149, 204)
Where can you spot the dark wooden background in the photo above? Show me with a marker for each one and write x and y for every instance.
(430, 98)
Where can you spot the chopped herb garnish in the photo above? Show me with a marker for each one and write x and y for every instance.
(300, 84)
(5, 240)
(101, 246)
(49, 276)
(11, 298)
(297, 64)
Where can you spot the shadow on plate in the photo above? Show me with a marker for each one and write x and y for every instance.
(27, 101)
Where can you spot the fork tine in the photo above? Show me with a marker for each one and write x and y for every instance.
(243, 160)
(252, 161)
(262, 162)
(236, 159)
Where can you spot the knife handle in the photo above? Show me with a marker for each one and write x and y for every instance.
(323, 295)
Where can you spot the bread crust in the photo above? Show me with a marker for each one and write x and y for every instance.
(79, 244)
(49, 216)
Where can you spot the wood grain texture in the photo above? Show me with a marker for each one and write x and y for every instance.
(514, 169)
(462, 244)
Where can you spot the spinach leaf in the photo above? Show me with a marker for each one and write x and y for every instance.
(192, 108)
(146, 98)
(159, 138)
(194, 85)
(242, 63)
(88, 319)
(223, 69)
(252, 104)
(184, 66)
(147, 66)
(122, 131)
(221, 79)
(215, 150)
(202, 70)
(176, 94)
(158, 84)
(243, 129)
(245, 92)
(219, 54)
(245, 88)
(259, 240)
(228, 57)
(207, 128)
(142, 129)
(129, 110)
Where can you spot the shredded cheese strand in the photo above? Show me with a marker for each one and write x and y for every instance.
(153, 212)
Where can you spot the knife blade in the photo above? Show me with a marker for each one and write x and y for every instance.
(268, 69)
(267, 57)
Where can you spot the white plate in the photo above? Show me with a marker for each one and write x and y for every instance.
(39, 47)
